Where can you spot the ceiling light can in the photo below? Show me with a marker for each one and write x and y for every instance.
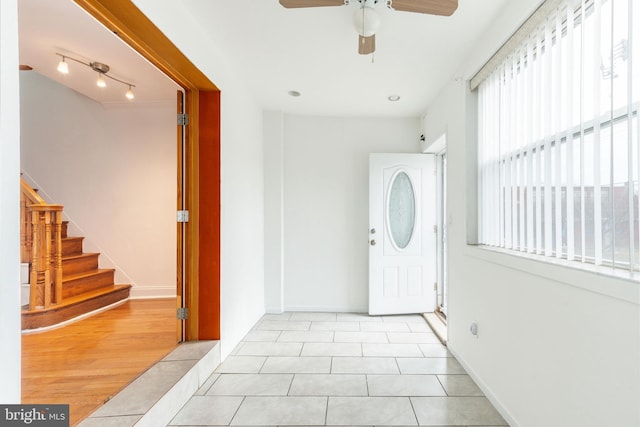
(393, 98)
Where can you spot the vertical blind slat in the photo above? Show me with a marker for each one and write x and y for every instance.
(548, 102)
(597, 196)
(569, 133)
(557, 117)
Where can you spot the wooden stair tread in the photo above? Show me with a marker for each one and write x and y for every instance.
(82, 275)
(78, 256)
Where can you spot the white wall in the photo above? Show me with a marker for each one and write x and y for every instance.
(326, 214)
(556, 346)
(273, 207)
(114, 170)
(242, 198)
(10, 202)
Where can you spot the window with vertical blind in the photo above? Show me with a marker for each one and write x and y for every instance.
(558, 123)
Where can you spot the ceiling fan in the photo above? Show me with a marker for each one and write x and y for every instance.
(367, 20)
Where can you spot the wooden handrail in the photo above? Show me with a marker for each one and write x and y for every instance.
(41, 236)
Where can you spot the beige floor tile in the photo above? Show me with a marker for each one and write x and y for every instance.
(434, 350)
(328, 385)
(364, 365)
(289, 410)
(391, 350)
(430, 365)
(277, 316)
(358, 317)
(241, 364)
(456, 411)
(413, 337)
(385, 327)
(283, 325)
(306, 336)
(387, 411)
(312, 316)
(308, 368)
(251, 385)
(409, 318)
(297, 365)
(332, 349)
(361, 337)
(335, 326)
(459, 385)
(207, 410)
(404, 385)
(270, 349)
(262, 336)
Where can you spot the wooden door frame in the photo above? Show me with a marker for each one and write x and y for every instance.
(202, 162)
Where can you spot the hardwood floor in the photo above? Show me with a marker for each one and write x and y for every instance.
(85, 363)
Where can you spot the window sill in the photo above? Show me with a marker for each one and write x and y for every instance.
(616, 283)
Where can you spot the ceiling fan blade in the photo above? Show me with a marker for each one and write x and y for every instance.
(431, 7)
(290, 4)
(366, 45)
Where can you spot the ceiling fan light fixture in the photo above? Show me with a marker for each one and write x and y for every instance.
(63, 67)
(100, 82)
(366, 21)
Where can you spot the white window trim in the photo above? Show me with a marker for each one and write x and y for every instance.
(612, 282)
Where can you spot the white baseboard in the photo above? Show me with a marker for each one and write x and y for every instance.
(273, 310)
(485, 389)
(24, 273)
(326, 309)
(148, 292)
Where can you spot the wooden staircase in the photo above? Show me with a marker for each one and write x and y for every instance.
(84, 286)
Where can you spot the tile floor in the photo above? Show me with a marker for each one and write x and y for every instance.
(339, 369)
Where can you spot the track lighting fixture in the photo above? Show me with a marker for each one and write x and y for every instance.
(100, 68)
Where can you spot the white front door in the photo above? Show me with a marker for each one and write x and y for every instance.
(402, 242)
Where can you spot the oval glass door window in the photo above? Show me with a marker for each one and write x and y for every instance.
(401, 210)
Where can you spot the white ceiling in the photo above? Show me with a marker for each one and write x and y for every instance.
(276, 50)
(50, 26)
(314, 51)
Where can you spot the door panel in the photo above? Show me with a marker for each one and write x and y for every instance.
(402, 244)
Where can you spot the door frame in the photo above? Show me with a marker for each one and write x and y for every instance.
(202, 160)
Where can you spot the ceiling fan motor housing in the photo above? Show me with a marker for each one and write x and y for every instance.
(366, 21)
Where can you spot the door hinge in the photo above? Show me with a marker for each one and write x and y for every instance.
(182, 313)
(183, 216)
(435, 286)
(183, 119)
(435, 229)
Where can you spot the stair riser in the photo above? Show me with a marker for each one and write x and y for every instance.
(77, 265)
(72, 246)
(102, 279)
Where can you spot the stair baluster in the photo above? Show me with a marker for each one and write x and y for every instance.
(46, 259)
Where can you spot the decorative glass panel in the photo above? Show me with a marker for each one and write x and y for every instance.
(401, 210)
